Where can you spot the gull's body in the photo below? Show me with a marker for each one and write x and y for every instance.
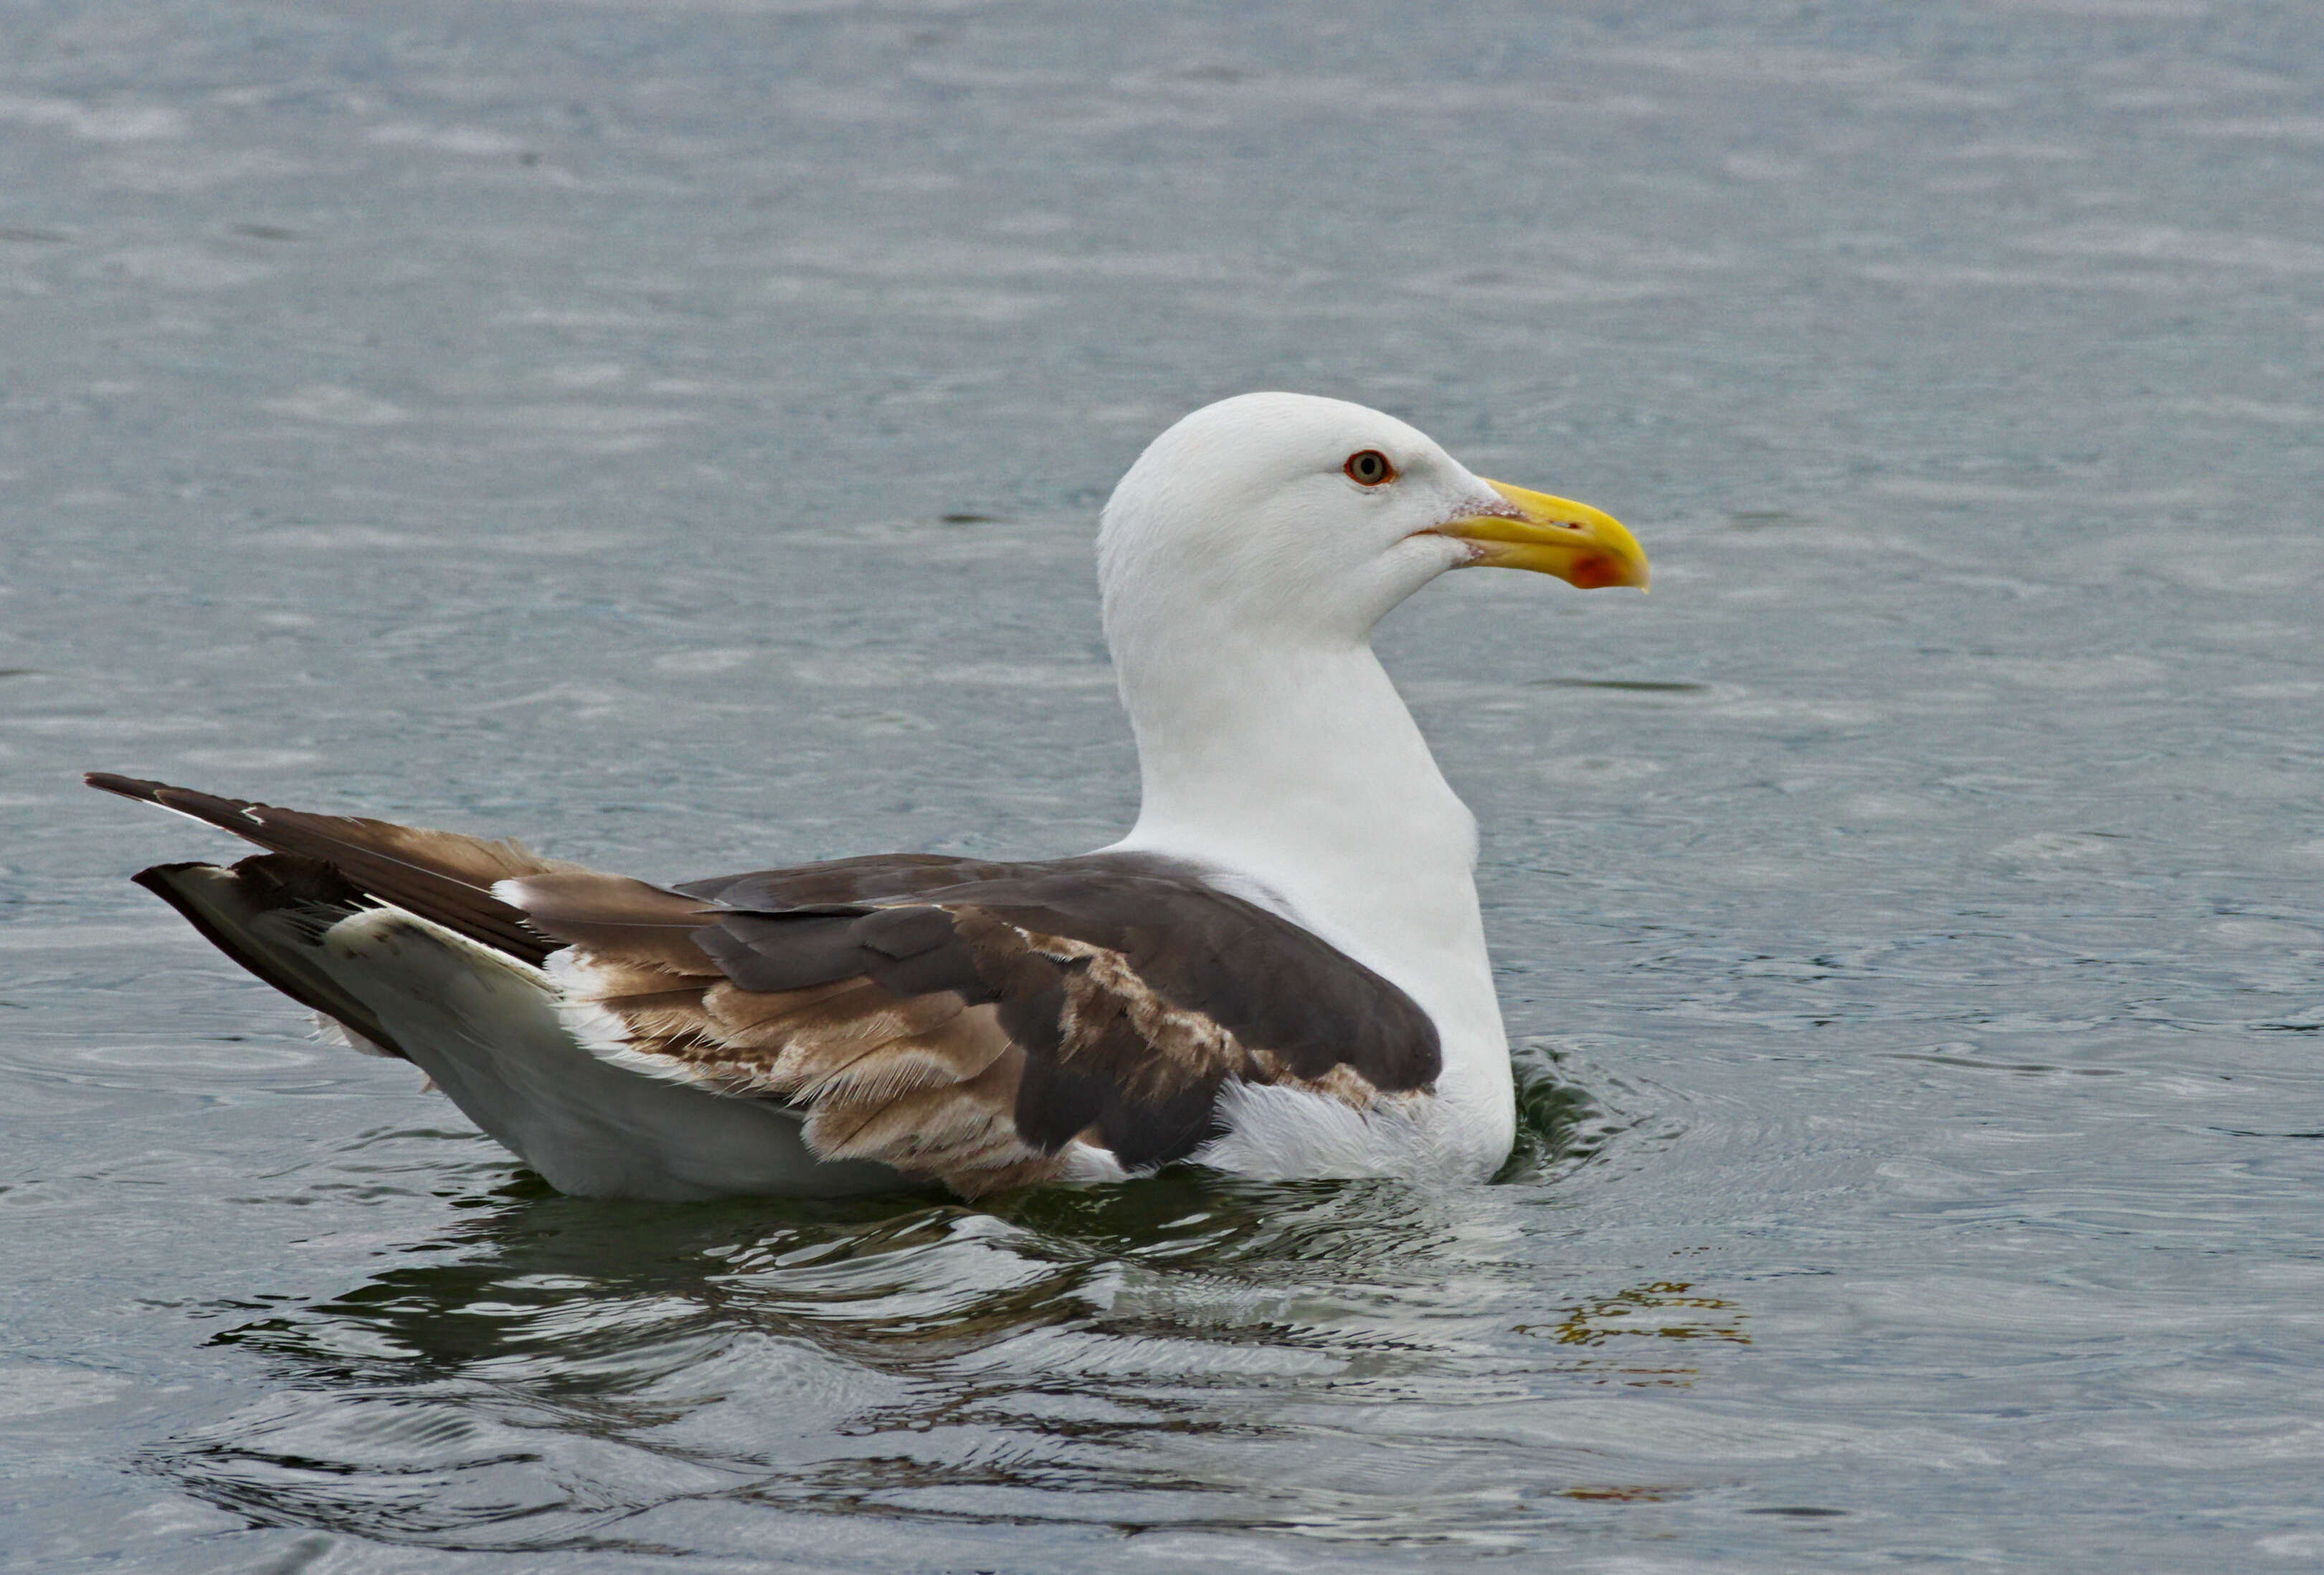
(1281, 970)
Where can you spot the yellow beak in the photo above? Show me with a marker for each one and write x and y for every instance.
(1552, 535)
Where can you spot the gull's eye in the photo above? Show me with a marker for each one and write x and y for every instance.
(1370, 468)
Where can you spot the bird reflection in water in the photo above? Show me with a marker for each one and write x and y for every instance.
(1188, 1352)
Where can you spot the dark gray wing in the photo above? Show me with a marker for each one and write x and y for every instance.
(953, 1018)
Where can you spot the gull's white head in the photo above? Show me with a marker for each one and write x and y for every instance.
(1296, 520)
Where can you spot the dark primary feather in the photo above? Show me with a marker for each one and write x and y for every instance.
(443, 876)
(957, 1017)
(277, 899)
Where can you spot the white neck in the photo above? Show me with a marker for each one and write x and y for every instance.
(1297, 769)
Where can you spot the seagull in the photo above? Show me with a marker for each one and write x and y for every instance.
(1280, 972)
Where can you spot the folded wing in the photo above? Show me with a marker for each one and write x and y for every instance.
(986, 1024)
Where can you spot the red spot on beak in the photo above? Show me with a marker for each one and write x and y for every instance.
(1595, 573)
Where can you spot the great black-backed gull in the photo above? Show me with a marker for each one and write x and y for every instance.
(1280, 971)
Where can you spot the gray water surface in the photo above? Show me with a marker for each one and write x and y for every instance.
(673, 434)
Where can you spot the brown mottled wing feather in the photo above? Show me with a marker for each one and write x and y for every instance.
(1261, 978)
(441, 876)
(969, 1020)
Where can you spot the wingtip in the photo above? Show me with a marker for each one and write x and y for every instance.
(193, 803)
(127, 786)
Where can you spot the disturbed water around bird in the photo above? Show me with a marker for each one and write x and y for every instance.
(672, 433)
